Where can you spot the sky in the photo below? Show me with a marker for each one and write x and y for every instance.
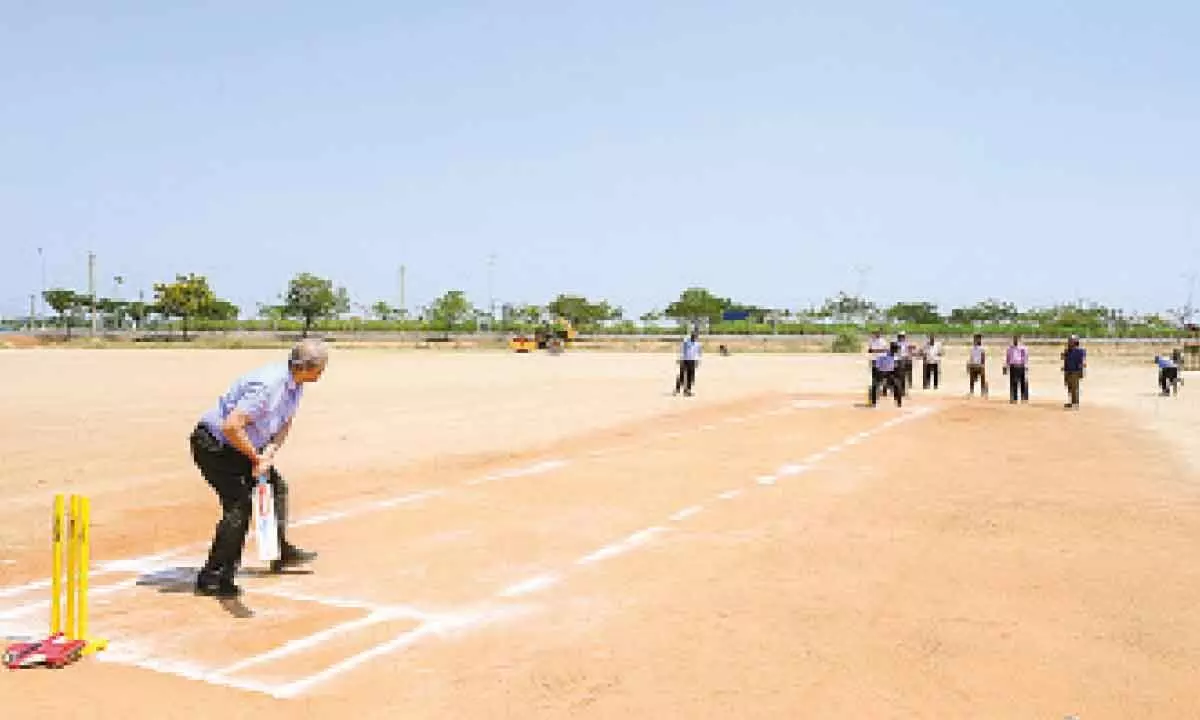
(773, 152)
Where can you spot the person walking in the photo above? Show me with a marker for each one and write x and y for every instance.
(931, 363)
(977, 366)
(235, 443)
(875, 347)
(1074, 365)
(689, 360)
(887, 376)
(1016, 364)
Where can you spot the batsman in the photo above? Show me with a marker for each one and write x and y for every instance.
(234, 444)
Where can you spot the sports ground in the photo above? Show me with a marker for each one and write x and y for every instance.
(529, 536)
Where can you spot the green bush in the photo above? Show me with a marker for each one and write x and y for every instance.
(847, 342)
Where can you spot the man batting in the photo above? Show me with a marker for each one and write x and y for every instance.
(234, 443)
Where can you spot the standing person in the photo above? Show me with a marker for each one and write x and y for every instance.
(1168, 375)
(1016, 363)
(689, 359)
(977, 366)
(886, 376)
(1074, 365)
(931, 363)
(904, 362)
(876, 347)
(235, 443)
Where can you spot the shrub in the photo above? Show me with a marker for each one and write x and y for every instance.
(847, 342)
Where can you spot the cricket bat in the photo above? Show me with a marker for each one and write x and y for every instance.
(266, 529)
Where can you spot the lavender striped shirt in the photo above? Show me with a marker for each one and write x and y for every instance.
(269, 397)
(1017, 355)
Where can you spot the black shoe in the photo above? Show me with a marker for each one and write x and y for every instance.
(292, 556)
(218, 588)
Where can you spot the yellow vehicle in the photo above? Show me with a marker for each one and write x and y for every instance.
(562, 331)
(522, 344)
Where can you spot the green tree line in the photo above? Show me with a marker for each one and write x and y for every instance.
(310, 302)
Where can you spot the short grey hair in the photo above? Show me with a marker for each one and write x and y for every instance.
(308, 354)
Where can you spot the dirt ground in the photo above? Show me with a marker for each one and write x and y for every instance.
(508, 536)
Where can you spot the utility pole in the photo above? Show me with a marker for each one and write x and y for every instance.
(31, 311)
(403, 311)
(92, 288)
(491, 262)
(42, 304)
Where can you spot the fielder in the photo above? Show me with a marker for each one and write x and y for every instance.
(887, 376)
(235, 443)
(1168, 375)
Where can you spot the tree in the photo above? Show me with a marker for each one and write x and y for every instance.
(62, 301)
(914, 313)
(450, 310)
(188, 297)
(579, 311)
(383, 311)
(311, 297)
(696, 304)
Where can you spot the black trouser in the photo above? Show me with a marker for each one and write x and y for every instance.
(229, 473)
(1018, 383)
(687, 376)
(1168, 379)
(906, 366)
(886, 379)
(978, 373)
(931, 372)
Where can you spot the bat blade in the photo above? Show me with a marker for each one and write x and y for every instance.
(266, 529)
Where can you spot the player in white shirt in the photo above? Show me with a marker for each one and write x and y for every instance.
(689, 359)
(977, 366)
(931, 363)
(904, 362)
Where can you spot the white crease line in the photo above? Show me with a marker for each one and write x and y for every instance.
(729, 494)
(533, 584)
(791, 469)
(294, 646)
(766, 479)
(186, 670)
(638, 538)
(687, 512)
(440, 626)
(536, 469)
(398, 611)
(94, 591)
(708, 427)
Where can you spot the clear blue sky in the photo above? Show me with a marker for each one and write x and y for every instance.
(1035, 151)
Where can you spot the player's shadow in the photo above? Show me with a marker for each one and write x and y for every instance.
(182, 580)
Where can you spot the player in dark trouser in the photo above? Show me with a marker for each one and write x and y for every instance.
(689, 359)
(235, 443)
(886, 376)
(1016, 367)
(1168, 375)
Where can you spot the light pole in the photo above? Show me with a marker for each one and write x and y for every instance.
(491, 262)
(42, 296)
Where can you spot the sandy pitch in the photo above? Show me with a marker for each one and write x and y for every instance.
(535, 536)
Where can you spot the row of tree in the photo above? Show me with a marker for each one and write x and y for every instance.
(309, 299)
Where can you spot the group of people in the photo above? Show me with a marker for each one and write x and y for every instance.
(891, 365)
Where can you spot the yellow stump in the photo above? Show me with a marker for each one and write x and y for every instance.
(85, 555)
(72, 566)
(72, 522)
(57, 532)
